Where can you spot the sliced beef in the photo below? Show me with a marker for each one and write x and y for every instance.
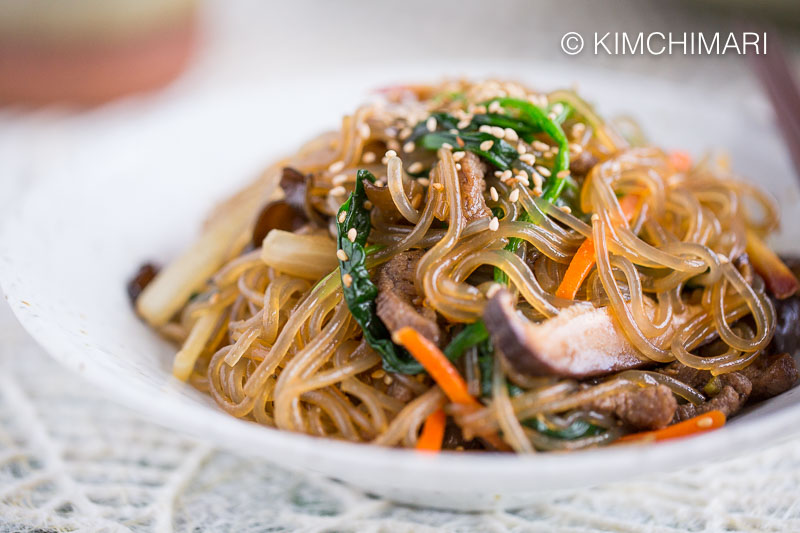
(400, 391)
(472, 187)
(734, 390)
(641, 409)
(146, 273)
(398, 301)
(771, 375)
(581, 165)
(695, 378)
(787, 328)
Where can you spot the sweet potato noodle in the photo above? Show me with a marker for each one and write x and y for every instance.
(581, 286)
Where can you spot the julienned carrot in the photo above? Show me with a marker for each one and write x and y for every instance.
(432, 432)
(681, 160)
(779, 278)
(583, 260)
(438, 366)
(443, 373)
(693, 426)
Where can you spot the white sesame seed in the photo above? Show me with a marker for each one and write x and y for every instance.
(575, 148)
(368, 157)
(347, 279)
(447, 146)
(379, 183)
(458, 156)
(409, 147)
(562, 174)
(514, 196)
(424, 181)
(521, 148)
(543, 171)
(539, 146)
(511, 135)
(391, 153)
(463, 123)
(558, 108)
(537, 191)
(352, 233)
(498, 132)
(495, 107)
(528, 158)
(485, 129)
(342, 217)
(338, 191)
(339, 179)
(578, 129)
(566, 209)
(506, 174)
(522, 179)
(336, 167)
(458, 166)
(367, 205)
(493, 194)
(430, 124)
(486, 145)
(494, 224)
(537, 181)
(438, 186)
(341, 255)
(405, 133)
(498, 173)
(364, 131)
(393, 146)
(415, 167)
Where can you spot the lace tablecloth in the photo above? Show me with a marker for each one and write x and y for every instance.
(72, 461)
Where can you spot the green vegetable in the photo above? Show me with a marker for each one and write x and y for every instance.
(576, 430)
(501, 154)
(486, 366)
(359, 291)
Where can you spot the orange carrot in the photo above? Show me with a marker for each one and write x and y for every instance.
(443, 373)
(432, 432)
(693, 426)
(681, 160)
(583, 260)
(434, 361)
(779, 279)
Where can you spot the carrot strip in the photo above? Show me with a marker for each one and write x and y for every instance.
(681, 160)
(779, 279)
(438, 366)
(443, 373)
(584, 259)
(432, 432)
(694, 426)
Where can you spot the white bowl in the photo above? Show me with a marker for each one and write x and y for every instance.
(132, 182)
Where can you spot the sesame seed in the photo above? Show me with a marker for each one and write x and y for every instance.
(537, 191)
(494, 224)
(409, 147)
(528, 158)
(566, 209)
(390, 154)
(486, 145)
(438, 186)
(458, 156)
(405, 133)
(595, 218)
(578, 129)
(539, 146)
(495, 107)
(378, 374)
(511, 135)
(498, 173)
(705, 422)
(347, 279)
(558, 108)
(368, 157)
(341, 255)
(430, 124)
(387, 379)
(352, 233)
(336, 167)
(364, 131)
(454, 131)
(379, 183)
(498, 132)
(493, 194)
(723, 258)
(338, 191)
(424, 181)
(506, 175)
(393, 145)
(342, 217)
(339, 179)
(447, 146)
(543, 171)
(521, 148)
(367, 205)
(562, 173)
(463, 123)
(575, 148)
(514, 196)
(537, 181)
(458, 166)
(415, 167)
(485, 129)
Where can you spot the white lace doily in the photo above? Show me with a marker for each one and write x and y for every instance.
(72, 461)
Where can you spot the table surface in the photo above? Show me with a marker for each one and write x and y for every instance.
(70, 460)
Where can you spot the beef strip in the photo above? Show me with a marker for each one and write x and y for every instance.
(472, 187)
(581, 165)
(400, 391)
(641, 409)
(733, 394)
(787, 328)
(146, 273)
(771, 375)
(397, 297)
